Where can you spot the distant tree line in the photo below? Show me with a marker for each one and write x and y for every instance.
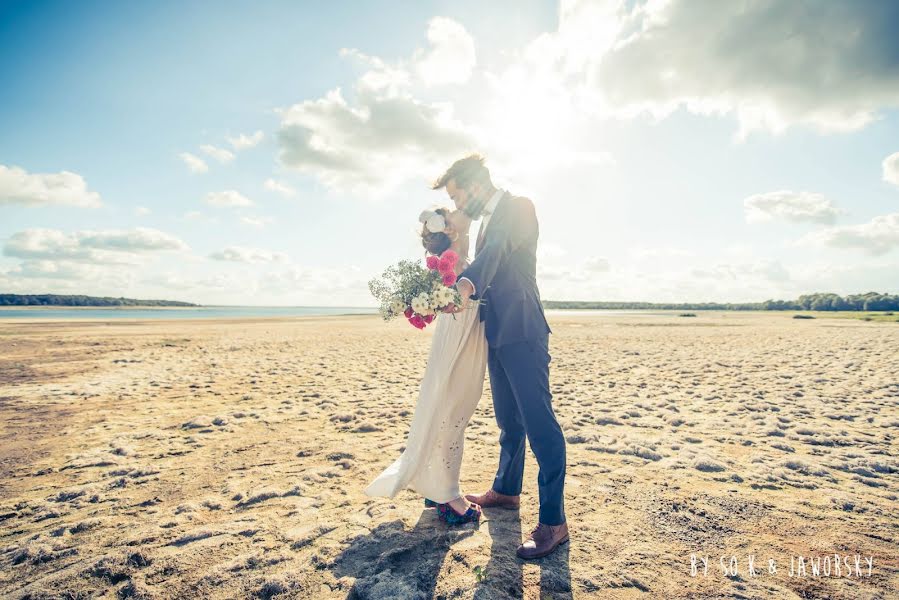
(822, 301)
(59, 300)
(872, 301)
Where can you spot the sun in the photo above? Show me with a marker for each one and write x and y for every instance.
(528, 120)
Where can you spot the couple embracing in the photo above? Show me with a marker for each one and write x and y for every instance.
(500, 326)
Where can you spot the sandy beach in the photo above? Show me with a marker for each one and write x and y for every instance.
(227, 459)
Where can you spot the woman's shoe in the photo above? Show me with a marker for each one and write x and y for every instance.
(448, 514)
(430, 503)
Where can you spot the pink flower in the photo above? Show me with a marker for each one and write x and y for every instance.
(444, 266)
(408, 312)
(451, 256)
(432, 262)
(449, 279)
(418, 321)
(429, 318)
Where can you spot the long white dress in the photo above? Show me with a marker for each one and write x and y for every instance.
(449, 394)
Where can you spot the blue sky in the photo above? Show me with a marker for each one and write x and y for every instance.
(279, 153)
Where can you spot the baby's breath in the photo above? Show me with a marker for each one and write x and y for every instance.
(405, 281)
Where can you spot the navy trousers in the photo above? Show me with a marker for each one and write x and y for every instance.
(522, 402)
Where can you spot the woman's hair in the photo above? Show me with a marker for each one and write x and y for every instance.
(436, 243)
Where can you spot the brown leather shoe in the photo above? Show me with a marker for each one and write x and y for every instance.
(543, 540)
(493, 499)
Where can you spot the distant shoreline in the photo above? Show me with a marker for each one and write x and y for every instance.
(211, 315)
(116, 307)
(46, 314)
(373, 309)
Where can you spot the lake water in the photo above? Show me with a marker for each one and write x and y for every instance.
(245, 312)
(200, 312)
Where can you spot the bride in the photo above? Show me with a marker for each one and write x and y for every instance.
(450, 391)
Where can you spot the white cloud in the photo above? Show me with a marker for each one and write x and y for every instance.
(373, 146)
(597, 264)
(451, 57)
(219, 288)
(844, 278)
(244, 141)
(139, 239)
(95, 262)
(279, 187)
(655, 254)
(382, 76)
(764, 270)
(585, 271)
(194, 163)
(66, 277)
(41, 189)
(141, 211)
(227, 198)
(51, 269)
(763, 61)
(219, 154)
(256, 221)
(104, 246)
(47, 243)
(797, 207)
(891, 168)
(269, 283)
(878, 236)
(385, 135)
(550, 251)
(717, 282)
(247, 255)
(318, 286)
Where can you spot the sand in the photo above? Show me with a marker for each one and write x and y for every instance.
(227, 459)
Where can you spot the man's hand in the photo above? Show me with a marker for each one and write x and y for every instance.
(465, 289)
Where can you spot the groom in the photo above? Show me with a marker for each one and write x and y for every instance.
(503, 277)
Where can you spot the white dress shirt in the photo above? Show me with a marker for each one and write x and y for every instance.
(489, 209)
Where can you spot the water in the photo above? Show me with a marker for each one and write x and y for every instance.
(251, 312)
(200, 312)
(611, 312)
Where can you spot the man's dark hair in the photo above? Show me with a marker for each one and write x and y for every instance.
(464, 172)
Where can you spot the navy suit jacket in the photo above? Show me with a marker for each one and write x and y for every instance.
(504, 274)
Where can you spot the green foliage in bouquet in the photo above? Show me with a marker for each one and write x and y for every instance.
(399, 284)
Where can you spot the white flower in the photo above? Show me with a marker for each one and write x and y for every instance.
(432, 220)
(436, 224)
(437, 299)
(397, 306)
(422, 304)
(441, 297)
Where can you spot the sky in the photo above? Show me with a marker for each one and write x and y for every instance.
(279, 153)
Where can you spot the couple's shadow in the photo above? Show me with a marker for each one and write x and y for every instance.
(393, 562)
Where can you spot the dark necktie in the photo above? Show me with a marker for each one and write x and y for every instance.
(482, 231)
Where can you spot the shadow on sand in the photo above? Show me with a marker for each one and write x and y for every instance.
(393, 562)
(505, 571)
(555, 577)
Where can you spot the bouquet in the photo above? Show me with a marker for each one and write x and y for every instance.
(418, 292)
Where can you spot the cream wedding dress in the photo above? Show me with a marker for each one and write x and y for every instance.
(449, 394)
